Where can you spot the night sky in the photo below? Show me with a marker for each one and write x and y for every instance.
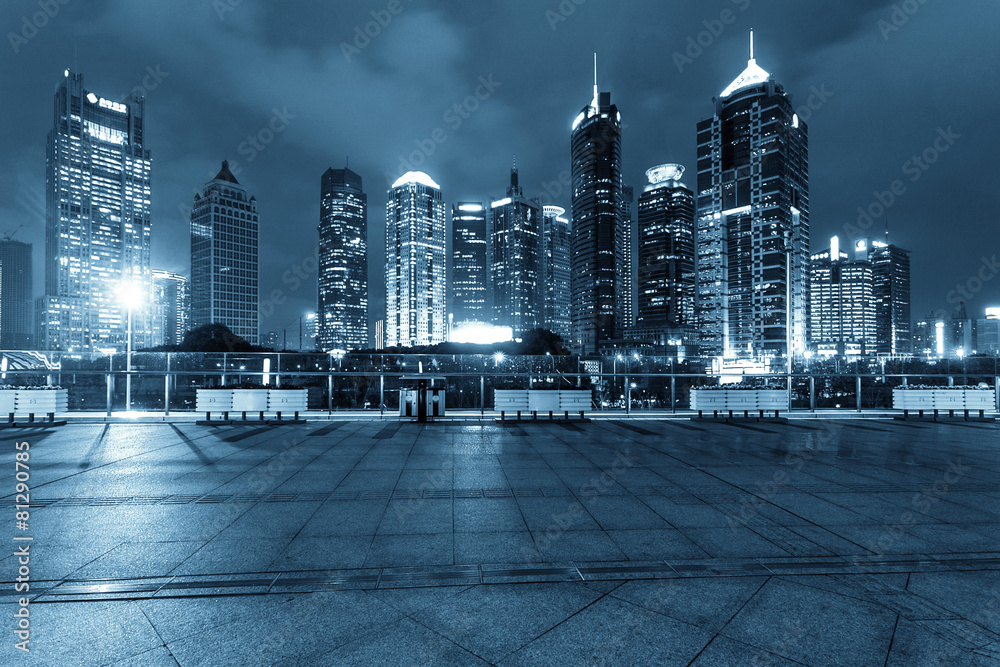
(885, 82)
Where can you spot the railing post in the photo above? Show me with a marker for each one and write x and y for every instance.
(812, 393)
(166, 389)
(482, 394)
(111, 385)
(329, 392)
(381, 388)
(857, 389)
(673, 394)
(996, 392)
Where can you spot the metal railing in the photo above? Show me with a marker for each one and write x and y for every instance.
(167, 382)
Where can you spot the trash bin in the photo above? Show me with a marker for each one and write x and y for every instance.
(422, 401)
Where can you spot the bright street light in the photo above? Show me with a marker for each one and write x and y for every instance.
(130, 295)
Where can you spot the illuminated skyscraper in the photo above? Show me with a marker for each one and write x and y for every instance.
(599, 266)
(666, 252)
(891, 294)
(343, 262)
(224, 257)
(629, 255)
(97, 228)
(842, 313)
(514, 252)
(415, 262)
(469, 256)
(753, 189)
(554, 272)
(16, 280)
(171, 307)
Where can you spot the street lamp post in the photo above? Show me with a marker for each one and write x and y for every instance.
(130, 294)
(788, 315)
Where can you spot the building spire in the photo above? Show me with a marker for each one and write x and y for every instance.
(751, 44)
(595, 81)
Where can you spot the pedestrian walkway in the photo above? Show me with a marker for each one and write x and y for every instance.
(654, 541)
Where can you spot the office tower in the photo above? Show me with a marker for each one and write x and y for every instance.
(343, 262)
(171, 307)
(842, 313)
(629, 254)
(224, 264)
(272, 340)
(16, 280)
(598, 232)
(891, 294)
(753, 198)
(97, 231)
(987, 333)
(469, 257)
(514, 249)
(666, 276)
(415, 262)
(554, 272)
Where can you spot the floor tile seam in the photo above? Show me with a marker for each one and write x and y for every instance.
(103, 465)
(211, 583)
(386, 508)
(528, 643)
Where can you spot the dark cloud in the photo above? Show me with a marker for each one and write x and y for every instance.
(887, 94)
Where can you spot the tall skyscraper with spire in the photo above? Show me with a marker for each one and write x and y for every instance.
(598, 232)
(514, 255)
(224, 257)
(97, 229)
(415, 262)
(343, 262)
(753, 199)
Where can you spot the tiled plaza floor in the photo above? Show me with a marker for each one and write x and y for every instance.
(667, 542)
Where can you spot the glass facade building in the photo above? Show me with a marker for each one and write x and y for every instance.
(415, 262)
(891, 294)
(554, 272)
(842, 312)
(469, 257)
(514, 254)
(343, 262)
(17, 322)
(172, 305)
(598, 256)
(97, 231)
(752, 199)
(224, 257)
(666, 275)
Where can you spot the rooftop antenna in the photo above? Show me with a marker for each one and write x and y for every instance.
(595, 80)
(751, 44)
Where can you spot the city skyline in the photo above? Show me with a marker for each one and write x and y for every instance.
(865, 125)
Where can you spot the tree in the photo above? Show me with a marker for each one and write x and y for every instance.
(213, 337)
